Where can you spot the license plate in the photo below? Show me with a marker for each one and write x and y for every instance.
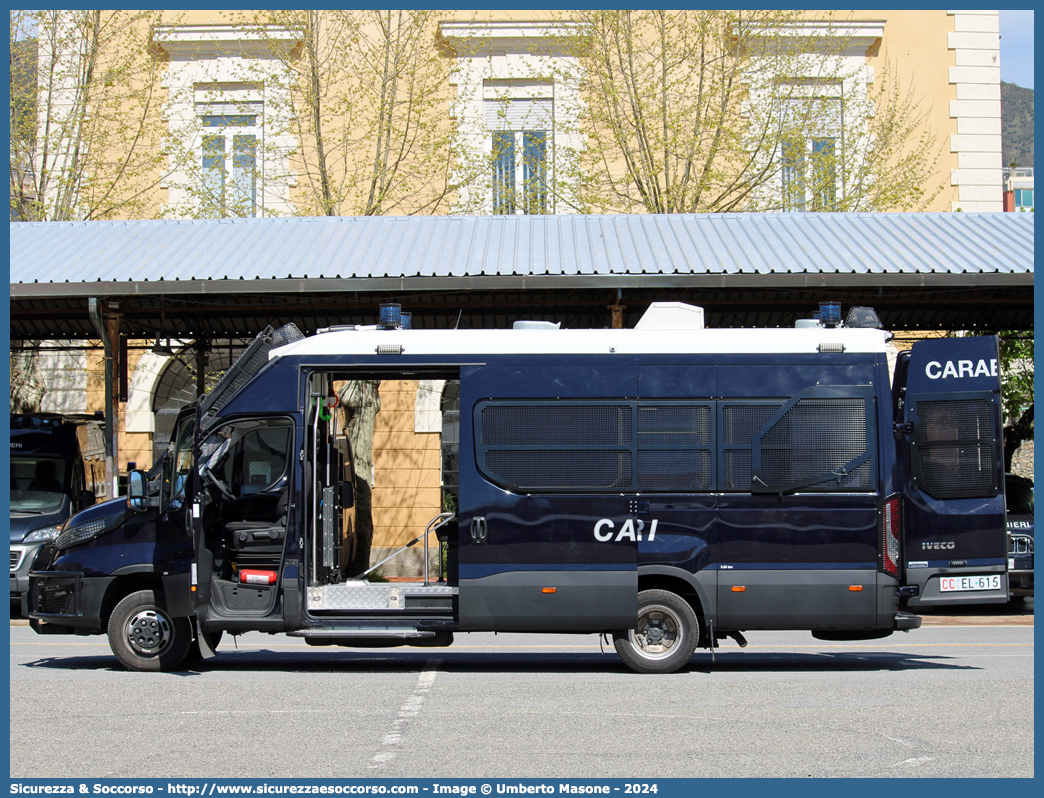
(953, 583)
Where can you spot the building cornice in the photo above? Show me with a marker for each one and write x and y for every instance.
(209, 41)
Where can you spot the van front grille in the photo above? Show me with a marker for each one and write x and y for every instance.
(1018, 544)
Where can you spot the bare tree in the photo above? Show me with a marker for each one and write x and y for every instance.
(712, 111)
(890, 155)
(27, 385)
(86, 136)
(368, 106)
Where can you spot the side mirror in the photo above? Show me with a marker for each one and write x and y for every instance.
(85, 499)
(347, 494)
(137, 486)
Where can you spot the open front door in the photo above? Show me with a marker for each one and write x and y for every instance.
(548, 513)
(955, 538)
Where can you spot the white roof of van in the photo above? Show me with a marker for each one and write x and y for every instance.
(563, 342)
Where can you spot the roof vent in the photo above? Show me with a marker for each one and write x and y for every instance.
(671, 316)
(536, 325)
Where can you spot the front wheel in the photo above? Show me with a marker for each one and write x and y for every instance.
(144, 637)
(664, 637)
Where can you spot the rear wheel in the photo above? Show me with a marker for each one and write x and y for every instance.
(664, 637)
(144, 637)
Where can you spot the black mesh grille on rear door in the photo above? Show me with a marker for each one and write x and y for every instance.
(956, 448)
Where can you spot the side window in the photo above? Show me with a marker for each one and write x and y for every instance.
(596, 446)
(180, 463)
(263, 460)
(77, 478)
(739, 424)
(676, 446)
(824, 438)
(556, 446)
(247, 457)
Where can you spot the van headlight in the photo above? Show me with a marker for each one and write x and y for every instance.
(43, 535)
(74, 534)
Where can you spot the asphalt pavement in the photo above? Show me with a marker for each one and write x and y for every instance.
(947, 700)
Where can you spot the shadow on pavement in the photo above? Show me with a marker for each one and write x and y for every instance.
(267, 661)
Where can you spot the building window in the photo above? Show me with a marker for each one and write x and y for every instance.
(1024, 198)
(503, 172)
(529, 171)
(793, 175)
(824, 175)
(534, 171)
(229, 184)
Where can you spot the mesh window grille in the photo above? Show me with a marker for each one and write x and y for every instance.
(739, 424)
(561, 469)
(555, 446)
(249, 363)
(675, 447)
(556, 425)
(956, 448)
(813, 440)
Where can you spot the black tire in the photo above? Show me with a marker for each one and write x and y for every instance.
(194, 654)
(664, 637)
(144, 637)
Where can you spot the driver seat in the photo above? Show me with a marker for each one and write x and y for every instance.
(261, 537)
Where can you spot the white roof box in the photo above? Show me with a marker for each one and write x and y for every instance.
(671, 316)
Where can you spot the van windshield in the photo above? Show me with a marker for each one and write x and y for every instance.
(37, 484)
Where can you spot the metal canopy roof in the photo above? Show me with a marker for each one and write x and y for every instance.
(232, 276)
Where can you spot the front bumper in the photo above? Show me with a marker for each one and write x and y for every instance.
(1020, 582)
(67, 601)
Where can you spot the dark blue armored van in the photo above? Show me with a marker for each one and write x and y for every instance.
(669, 486)
(48, 484)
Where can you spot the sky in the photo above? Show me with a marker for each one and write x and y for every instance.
(1016, 47)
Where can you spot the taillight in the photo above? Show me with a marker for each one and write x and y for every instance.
(891, 535)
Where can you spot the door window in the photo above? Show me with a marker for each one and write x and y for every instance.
(248, 457)
(176, 469)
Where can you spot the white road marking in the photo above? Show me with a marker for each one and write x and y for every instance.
(407, 712)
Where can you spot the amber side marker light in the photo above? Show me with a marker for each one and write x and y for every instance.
(548, 589)
(855, 588)
(739, 589)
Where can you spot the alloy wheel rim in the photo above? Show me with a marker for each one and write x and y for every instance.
(658, 633)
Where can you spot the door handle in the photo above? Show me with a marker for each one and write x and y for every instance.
(478, 531)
